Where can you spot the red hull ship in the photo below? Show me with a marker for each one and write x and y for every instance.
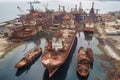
(29, 58)
(85, 59)
(55, 56)
(23, 33)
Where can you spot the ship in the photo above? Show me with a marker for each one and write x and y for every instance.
(23, 33)
(58, 48)
(89, 53)
(30, 24)
(29, 58)
(89, 24)
(83, 66)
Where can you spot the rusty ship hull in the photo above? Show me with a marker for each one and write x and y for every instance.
(29, 58)
(89, 30)
(53, 60)
(89, 53)
(83, 66)
(23, 33)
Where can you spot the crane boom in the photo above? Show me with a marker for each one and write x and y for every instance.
(21, 10)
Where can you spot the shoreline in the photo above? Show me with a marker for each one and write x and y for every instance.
(6, 46)
(111, 54)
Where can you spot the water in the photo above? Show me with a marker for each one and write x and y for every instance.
(37, 72)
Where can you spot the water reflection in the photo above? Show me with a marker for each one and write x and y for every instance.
(88, 37)
(35, 39)
(82, 78)
(61, 73)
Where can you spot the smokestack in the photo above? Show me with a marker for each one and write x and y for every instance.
(92, 4)
(76, 7)
(63, 8)
(59, 8)
(71, 9)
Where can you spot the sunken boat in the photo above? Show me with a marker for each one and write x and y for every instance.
(58, 48)
(29, 58)
(83, 66)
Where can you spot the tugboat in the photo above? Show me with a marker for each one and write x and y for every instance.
(83, 66)
(29, 58)
(58, 49)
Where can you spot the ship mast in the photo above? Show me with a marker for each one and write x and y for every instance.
(76, 7)
(59, 8)
(63, 8)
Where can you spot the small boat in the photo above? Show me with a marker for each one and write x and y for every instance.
(29, 58)
(83, 66)
(89, 53)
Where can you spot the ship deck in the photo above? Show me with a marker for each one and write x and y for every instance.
(56, 58)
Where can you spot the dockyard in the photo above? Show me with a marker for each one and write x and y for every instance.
(59, 34)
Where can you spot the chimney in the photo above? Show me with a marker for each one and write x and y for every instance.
(76, 7)
(59, 8)
(63, 8)
(92, 4)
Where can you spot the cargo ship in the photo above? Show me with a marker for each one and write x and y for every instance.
(29, 58)
(83, 66)
(58, 48)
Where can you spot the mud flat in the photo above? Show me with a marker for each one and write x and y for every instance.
(6, 46)
(110, 45)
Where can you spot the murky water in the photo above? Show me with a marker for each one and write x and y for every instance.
(37, 71)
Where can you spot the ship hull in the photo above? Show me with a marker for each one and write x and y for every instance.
(25, 61)
(52, 69)
(52, 72)
(88, 30)
(89, 53)
(23, 34)
(83, 66)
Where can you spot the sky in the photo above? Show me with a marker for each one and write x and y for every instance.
(8, 8)
(54, 0)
